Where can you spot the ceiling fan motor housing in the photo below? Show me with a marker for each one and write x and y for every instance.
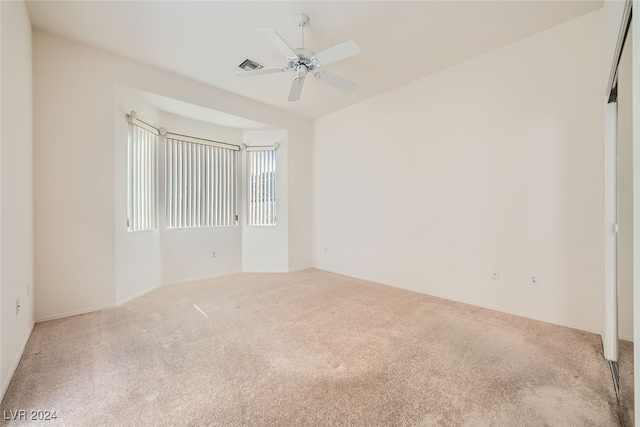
(304, 58)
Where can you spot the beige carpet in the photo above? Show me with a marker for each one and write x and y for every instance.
(309, 349)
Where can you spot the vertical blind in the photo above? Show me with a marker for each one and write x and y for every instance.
(201, 185)
(261, 167)
(142, 200)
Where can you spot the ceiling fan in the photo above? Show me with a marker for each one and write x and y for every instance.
(304, 61)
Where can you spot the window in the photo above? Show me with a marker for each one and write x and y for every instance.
(142, 188)
(201, 184)
(261, 179)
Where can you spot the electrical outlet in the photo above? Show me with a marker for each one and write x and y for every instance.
(495, 274)
(534, 280)
(213, 254)
(17, 306)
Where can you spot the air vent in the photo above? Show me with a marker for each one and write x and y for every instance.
(249, 65)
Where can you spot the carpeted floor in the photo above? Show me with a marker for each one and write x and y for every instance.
(309, 349)
(625, 363)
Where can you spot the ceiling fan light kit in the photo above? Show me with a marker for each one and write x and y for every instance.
(303, 61)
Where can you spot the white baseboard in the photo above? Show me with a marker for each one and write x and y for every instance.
(135, 296)
(71, 313)
(527, 316)
(477, 304)
(14, 365)
(129, 299)
(625, 337)
(198, 279)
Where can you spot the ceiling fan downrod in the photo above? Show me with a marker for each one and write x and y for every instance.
(302, 21)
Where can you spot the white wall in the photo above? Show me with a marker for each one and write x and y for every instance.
(496, 163)
(137, 255)
(75, 177)
(300, 202)
(16, 220)
(266, 248)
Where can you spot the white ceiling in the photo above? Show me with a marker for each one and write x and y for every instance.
(207, 40)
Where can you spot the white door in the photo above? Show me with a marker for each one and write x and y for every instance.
(625, 218)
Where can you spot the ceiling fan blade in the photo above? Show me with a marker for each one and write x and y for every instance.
(262, 71)
(296, 89)
(279, 43)
(337, 53)
(336, 81)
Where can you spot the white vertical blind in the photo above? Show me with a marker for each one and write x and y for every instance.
(261, 178)
(142, 188)
(201, 185)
